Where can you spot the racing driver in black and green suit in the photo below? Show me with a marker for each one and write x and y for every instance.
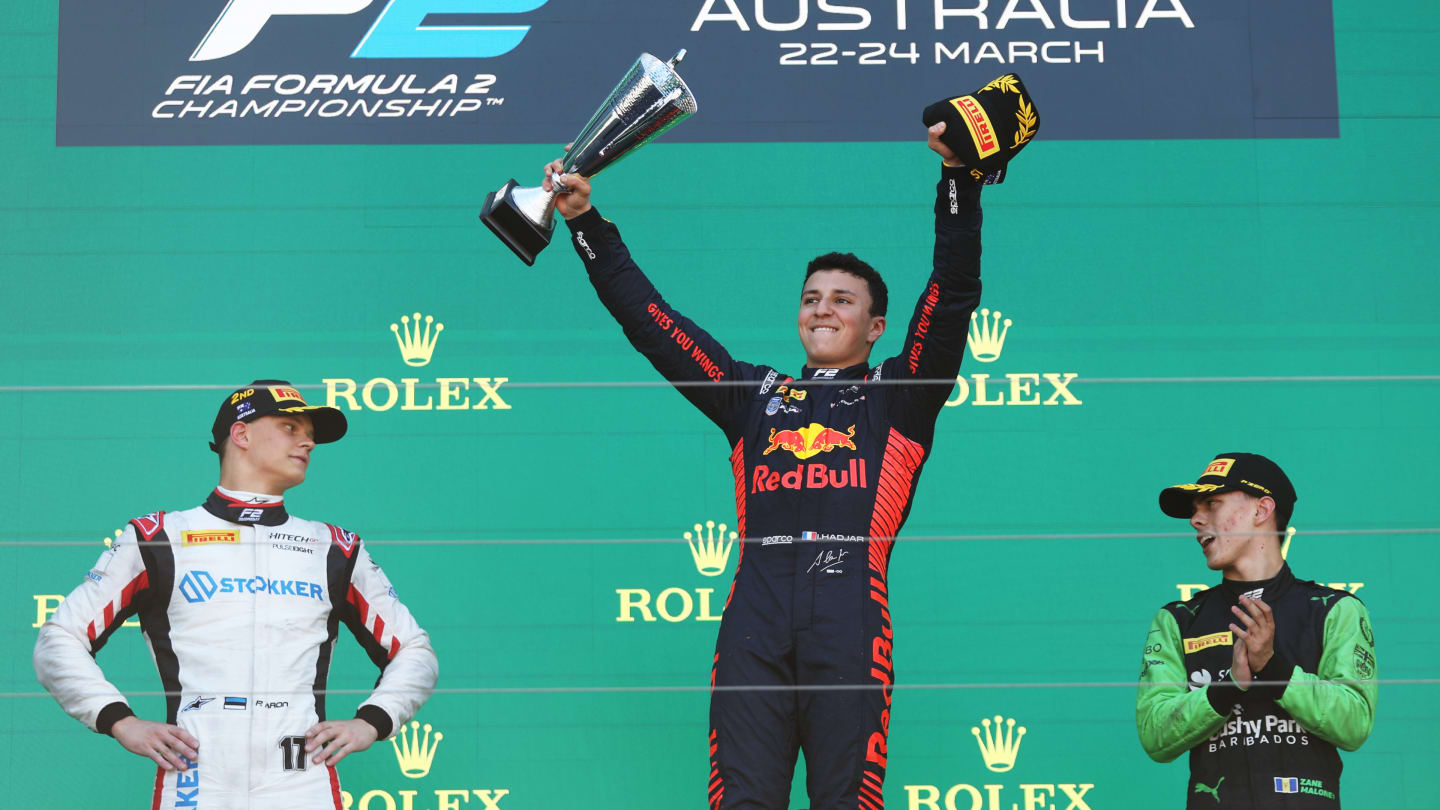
(1262, 677)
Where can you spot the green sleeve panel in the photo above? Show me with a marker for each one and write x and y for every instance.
(1337, 703)
(1171, 717)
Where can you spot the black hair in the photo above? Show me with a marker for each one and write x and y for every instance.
(1283, 511)
(852, 264)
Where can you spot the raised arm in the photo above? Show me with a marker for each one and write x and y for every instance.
(935, 337)
(679, 349)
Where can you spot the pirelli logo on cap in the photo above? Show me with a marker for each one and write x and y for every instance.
(209, 538)
(1194, 645)
(979, 123)
(1219, 468)
(283, 393)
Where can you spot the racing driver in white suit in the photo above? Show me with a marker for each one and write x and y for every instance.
(241, 604)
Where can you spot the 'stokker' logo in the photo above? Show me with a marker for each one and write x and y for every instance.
(197, 586)
(399, 32)
(986, 341)
(710, 546)
(416, 342)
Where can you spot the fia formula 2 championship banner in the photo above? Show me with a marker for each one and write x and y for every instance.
(170, 72)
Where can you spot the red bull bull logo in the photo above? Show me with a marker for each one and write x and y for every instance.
(809, 441)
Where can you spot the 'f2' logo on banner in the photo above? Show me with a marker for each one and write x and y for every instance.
(398, 33)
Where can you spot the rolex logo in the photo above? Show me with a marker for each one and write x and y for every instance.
(999, 746)
(414, 752)
(416, 335)
(987, 335)
(710, 545)
(986, 339)
(417, 343)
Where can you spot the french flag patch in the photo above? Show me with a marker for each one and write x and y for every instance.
(1287, 784)
(809, 536)
(239, 703)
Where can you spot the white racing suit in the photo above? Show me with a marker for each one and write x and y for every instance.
(241, 605)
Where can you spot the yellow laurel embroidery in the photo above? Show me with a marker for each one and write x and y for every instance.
(1026, 117)
(975, 173)
(1005, 84)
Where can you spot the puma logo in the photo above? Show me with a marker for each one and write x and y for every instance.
(1200, 787)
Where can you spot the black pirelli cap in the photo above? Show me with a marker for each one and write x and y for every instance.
(267, 397)
(1231, 472)
(989, 127)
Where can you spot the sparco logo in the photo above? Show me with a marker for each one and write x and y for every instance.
(580, 240)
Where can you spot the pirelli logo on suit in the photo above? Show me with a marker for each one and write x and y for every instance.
(1194, 645)
(206, 538)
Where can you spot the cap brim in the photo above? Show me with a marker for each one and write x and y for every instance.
(330, 423)
(1179, 501)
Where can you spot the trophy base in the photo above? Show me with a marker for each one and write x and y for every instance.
(502, 215)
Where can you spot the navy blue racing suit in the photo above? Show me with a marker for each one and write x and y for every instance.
(824, 476)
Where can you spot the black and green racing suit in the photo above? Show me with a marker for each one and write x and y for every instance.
(1266, 746)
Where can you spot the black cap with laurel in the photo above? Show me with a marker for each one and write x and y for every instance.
(989, 127)
(267, 397)
(1250, 473)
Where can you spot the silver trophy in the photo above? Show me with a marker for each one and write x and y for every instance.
(649, 100)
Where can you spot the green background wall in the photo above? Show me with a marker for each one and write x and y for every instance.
(212, 266)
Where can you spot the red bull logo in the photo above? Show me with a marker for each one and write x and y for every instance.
(810, 476)
(809, 441)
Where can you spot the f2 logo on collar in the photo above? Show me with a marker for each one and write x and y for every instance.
(828, 373)
(251, 515)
